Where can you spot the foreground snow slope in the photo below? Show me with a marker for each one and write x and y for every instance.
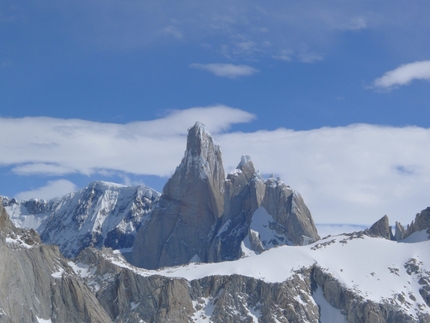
(377, 269)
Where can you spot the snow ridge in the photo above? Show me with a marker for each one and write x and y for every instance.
(101, 214)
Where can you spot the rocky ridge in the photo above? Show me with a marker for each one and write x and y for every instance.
(421, 223)
(36, 282)
(101, 214)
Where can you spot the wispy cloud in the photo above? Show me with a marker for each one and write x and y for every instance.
(307, 57)
(53, 189)
(234, 28)
(226, 70)
(173, 31)
(403, 75)
(356, 23)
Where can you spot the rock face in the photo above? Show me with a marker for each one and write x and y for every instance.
(36, 283)
(381, 229)
(129, 296)
(192, 201)
(259, 215)
(201, 216)
(421, 223)
(102, 214)
(356, 308)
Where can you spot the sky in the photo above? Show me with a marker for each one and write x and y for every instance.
(331, 96)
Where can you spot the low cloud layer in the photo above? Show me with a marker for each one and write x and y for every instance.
(403, 75)
(226, 70)
(352, 174)
(52, 189)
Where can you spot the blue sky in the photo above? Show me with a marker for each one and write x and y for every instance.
(330, 95)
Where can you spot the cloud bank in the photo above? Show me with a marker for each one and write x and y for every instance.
(53, 189)
(403, 75)
(42, 145)
(353, 174)
(226, 70)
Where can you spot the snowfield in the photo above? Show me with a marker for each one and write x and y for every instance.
(374, 268)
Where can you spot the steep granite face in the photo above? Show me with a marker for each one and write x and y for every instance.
(421, 223)
(200, 176)
(37, 284)
(380, 228)
(180, 227)
(289, 210)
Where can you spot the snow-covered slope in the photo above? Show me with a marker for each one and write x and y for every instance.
(362, 270)
(102, 214)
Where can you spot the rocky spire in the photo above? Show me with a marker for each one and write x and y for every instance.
(421, 222)
(380, 228)
(192, 201)
(200, 169)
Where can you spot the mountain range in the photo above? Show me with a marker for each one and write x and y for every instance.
(210, 248)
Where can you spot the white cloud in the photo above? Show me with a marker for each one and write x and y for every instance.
(403, 75)
(352, 174)
(173, 31)
(227, 70)
(357, 23)
(53, 189)
(310, 57)
(40, 145)
(42, 168)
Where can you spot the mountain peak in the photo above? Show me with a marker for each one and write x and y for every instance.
(199, 139)
(202, 160)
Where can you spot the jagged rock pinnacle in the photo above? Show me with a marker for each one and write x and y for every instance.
(192, 202)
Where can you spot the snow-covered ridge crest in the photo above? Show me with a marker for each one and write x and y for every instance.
(354, 273)
(100, 214)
